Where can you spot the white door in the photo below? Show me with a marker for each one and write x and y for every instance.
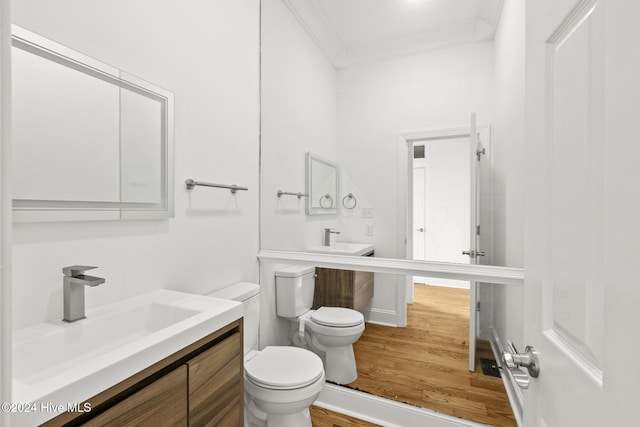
(474, 236)
(582, 292)
(419, 208)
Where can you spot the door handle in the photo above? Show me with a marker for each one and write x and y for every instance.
(514, 361)
(472, 254)
(421, 229)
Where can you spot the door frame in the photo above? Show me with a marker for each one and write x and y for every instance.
(404, 288)
(405, 180)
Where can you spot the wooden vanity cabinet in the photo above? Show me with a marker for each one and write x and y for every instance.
(161, 403)
(200, 385)
(342, 288)
(215, 394)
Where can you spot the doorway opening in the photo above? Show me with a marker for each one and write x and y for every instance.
(442, 204)
(447, 219)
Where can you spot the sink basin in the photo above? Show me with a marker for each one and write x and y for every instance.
(63, 362)
(344, 248)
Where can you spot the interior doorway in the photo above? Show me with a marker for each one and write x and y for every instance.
(442, 204)
(447, 221)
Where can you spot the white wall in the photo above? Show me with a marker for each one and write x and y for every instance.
(207, 53)
(298, 115)
(502, 305)
(5, 208)
(433, 90)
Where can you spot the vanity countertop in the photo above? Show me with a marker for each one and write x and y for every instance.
(344, 248)
(58, 364)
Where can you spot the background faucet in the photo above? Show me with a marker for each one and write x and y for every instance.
(327, 236)
(74, 282)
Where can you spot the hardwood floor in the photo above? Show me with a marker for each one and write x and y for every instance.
(426, 363)
(321, 417)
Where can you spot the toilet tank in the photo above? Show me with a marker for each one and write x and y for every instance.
(249, 295)
(295, 286)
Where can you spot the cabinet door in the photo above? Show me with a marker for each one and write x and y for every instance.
(161, 403)
(216, 391)
(363, 289)
(342, 288)
(334, 288)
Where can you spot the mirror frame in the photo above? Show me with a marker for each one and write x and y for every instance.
(76, 210)
(310, 209)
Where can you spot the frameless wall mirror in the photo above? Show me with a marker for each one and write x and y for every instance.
(90, 142)
(321, 185)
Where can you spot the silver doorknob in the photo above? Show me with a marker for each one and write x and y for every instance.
(473, 254)
(528, 359)
(421, 229)
(514, 360)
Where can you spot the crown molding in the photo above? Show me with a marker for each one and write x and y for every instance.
(319, 28)
(316, 24)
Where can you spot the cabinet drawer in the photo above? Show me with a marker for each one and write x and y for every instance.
(216, 390)
(161, 403)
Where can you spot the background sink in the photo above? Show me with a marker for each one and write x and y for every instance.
(344, 248)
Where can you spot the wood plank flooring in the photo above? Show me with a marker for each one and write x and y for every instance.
(321, 417)
(426, 363)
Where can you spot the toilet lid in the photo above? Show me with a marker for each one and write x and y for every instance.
(284, 368)
(337, 317)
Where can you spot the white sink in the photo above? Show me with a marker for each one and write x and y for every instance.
(344, 248)
(62, 363)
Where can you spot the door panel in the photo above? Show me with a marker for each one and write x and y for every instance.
(419, 209)
(573, 307)
(564, 290)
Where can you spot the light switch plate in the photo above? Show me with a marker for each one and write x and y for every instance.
(368, 230)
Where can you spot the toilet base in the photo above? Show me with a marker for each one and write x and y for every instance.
(299, 419)
(340, 365)
(254, 417)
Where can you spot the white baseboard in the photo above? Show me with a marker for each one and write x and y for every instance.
(384, 412)
(383, 317)
(444, 283)
(514, 392)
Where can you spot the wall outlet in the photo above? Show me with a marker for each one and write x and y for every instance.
(367, 212)
(368, 230)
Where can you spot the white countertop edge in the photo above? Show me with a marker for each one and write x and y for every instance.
(470, 272)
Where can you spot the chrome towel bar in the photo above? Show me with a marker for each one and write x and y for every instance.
(286, 193)
(190, 183)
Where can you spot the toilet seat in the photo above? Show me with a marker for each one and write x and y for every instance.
(337, 317)
(284, 368)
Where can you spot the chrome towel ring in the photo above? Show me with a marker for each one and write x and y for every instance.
(349, 201)
(326, 199)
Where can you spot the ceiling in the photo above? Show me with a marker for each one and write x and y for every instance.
(351, 32)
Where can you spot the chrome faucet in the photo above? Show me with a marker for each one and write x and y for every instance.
(327, 236)
(74, 283)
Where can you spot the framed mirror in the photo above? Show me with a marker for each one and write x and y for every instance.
(321, 185)
(90, 142)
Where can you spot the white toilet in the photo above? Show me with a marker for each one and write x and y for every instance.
(328, 331)
(280, 383)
